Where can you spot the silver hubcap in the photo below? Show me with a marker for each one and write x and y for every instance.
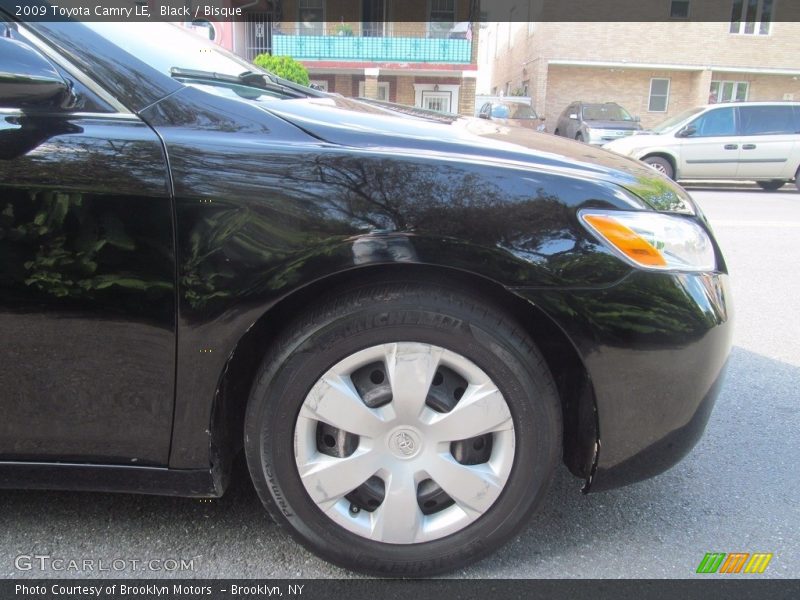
(658, 167)
(404, 443)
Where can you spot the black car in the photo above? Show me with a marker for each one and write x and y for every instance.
(404, 319)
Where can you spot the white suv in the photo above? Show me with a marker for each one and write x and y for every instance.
(742, 140)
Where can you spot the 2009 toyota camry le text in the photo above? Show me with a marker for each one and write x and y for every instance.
(404, 319)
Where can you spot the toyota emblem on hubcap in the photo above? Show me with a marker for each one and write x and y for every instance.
(405, 443)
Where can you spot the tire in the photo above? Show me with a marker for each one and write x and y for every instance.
(797, 179)
(661, 165)
(579, 137)
(771, 185)
(406, 317)
(556, 132)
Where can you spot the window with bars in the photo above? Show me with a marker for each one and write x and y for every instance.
(311, 17)
(752, 17)
(442, 18)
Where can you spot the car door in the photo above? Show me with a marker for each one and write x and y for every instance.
(87, 276)
(710, 146)
(769, 137)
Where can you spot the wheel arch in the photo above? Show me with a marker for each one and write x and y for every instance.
(576, 394)
(673, 161)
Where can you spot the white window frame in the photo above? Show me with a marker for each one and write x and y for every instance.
(382, 85)
(430, 87)
(757, 23)
(430, 15)
(666, 98)
(721, 85)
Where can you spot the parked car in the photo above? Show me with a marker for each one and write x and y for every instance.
(508, 112)
(743, 140)
(404, 324)
(595, 123)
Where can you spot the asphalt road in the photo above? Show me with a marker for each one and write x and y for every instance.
(737, 491)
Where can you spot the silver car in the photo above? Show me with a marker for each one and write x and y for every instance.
(596, 123)
(741, 140)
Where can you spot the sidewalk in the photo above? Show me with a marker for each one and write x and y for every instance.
(729, 184)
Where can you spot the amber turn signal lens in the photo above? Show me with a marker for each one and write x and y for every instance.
(627, 241)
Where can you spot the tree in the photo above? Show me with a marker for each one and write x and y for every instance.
(283, 66)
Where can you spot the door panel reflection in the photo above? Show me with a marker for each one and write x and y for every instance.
(86, 291)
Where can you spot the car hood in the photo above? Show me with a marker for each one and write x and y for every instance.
(526, 123)
(621, 125)
(353, 123)
(631, 143)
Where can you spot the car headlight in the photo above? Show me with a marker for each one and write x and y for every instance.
(597, 134)
(653, 240)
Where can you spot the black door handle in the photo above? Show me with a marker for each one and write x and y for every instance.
(749, 147)
(731, 146)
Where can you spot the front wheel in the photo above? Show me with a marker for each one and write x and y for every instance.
(403, 429)
(771, 185)
(579, 137)
(662, 165)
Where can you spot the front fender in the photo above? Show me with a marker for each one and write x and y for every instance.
(262, 209)
(218, 310)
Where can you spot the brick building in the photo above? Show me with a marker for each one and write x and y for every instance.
(417, 53)
(655, 69)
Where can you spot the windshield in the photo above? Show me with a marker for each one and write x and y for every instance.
(513, 111)
(605, 112)
(164, 46)
(670, 123)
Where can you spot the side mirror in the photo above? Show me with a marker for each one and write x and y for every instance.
(573, 116)
(687, 131)
(637, 119)
(28, 80)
